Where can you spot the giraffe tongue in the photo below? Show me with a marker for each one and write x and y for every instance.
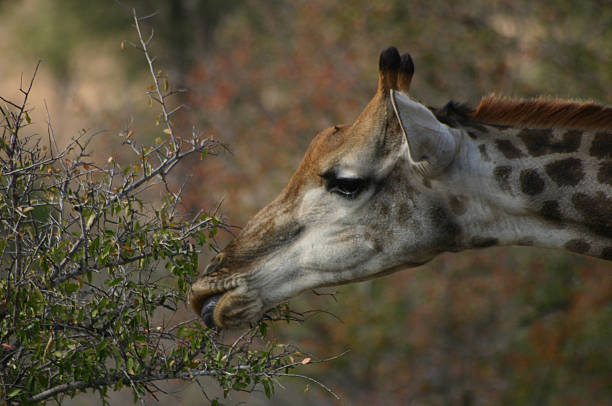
(207, 310)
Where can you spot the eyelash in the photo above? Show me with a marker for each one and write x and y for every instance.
(349, 188)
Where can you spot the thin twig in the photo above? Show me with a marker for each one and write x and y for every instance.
(162, 98)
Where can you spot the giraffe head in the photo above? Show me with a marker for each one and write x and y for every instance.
(360, 205)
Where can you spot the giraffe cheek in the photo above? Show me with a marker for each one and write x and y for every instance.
(372, 243)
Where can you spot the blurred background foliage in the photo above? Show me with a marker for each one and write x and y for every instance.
(513, 326)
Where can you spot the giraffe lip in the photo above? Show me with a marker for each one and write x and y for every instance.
(208, 307)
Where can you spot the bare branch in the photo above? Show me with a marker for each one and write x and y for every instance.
(161, 98)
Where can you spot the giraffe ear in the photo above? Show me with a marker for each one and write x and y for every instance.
(431, 146)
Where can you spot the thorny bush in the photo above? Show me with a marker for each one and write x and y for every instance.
(92, 275)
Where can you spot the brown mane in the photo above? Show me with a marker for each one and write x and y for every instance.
(544, 112)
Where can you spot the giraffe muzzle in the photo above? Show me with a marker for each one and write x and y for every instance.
(208, 307)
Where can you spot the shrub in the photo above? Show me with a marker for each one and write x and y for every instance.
(93, 275)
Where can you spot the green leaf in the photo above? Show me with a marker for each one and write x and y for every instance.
(14, 392)
(130, 365)
(266, 386)
(71, 288)
(90, 221)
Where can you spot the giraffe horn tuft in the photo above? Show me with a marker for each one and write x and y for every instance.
(406, 71)
(394, 71)
(388, 67)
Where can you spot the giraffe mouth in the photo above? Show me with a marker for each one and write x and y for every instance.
(208, 308)
(204, 298)
(228, 307)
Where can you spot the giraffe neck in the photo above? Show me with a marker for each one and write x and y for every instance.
(540, 187)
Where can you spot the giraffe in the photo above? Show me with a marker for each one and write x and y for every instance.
(404, 183)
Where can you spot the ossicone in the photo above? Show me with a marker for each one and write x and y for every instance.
(394, 71)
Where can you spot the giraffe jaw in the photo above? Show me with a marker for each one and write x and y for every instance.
(241, 307)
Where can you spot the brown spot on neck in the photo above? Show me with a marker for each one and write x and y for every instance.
(596, 211)
(447, 230)
(565, 172)
(550, 210)
(602, 146)
(509, 150)
(531, 182)
(604, 174)
(541, 141)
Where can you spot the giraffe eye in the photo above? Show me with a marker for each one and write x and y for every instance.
(348, 188)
